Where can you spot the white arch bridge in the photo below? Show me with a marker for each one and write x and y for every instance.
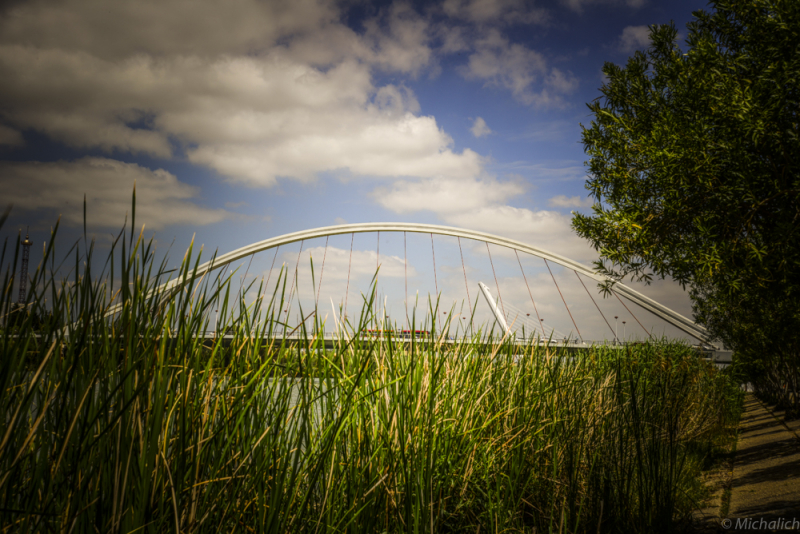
(672, 317)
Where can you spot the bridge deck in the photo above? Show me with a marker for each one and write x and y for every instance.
(332, 341)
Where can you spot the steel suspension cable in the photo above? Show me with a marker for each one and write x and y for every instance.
(405, 274)
(349, 262)
(269, 275)
(377, 268)
(322, 271)
(562, 300)
(499, 297)
(632, 315)
(433, 253)
(296, 266)
(271, 267)
(541, 323)
(595, 303)
(244, 278)
(466, 285)
(291, 289)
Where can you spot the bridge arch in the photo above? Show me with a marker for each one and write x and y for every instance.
(672, 317)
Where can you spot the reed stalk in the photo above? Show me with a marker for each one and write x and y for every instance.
(137, 422)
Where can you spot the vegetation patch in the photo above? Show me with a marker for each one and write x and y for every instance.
(128, 419)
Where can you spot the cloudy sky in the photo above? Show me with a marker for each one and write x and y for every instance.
(246, 119)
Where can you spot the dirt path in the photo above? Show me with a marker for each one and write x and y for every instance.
(761, 492)
(765, 488)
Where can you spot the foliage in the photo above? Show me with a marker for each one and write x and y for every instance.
(694, 167)
(135, 422)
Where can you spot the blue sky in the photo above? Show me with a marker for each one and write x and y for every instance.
(248, 119)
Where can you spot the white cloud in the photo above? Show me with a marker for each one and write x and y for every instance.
(397, 39)
(445, 195)
(479, 128)
(634, 38)
(338, 261)
(563, 83)
(159, 28)
(403, 45)
(519, 69)
(549, 230)
(453, 39)
(511, 65)
(579, 5)
(342, 274)
(256, 91)
(480, 205)
(562, 201)
(161, 199)
(251, 119)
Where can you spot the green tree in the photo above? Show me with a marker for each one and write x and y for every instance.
(694, 169)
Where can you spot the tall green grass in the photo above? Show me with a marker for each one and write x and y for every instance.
(137, 423)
